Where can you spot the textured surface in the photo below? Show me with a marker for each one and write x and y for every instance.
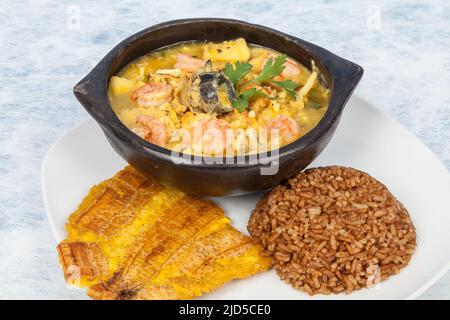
(155, 243)
(343, 231)
(47, 47)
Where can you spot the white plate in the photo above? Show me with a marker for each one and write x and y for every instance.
(366, 139)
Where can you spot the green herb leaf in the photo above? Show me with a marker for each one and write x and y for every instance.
(287, 85)
(271, 69)
(238, 72)
(242, 100)
(240, 104)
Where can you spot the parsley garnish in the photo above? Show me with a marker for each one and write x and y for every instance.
(287, 85)
(242, 100)
(271, 69)
(237, 73)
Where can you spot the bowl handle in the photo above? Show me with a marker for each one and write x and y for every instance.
(90, 92)
(345, 74)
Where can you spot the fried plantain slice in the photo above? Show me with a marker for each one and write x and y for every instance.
(132, 238)
(82, 262)
(113, 203)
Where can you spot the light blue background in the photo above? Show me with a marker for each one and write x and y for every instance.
(45, 48)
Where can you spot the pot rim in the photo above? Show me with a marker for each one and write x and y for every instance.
(344, 76)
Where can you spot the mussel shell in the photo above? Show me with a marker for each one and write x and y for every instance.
(204, 91)
(210, 85)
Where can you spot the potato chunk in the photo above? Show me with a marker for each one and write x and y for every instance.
(120, 85)
(235, 50)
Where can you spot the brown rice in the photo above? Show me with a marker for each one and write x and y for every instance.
(333, 229)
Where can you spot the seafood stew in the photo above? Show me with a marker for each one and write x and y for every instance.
(215, 99)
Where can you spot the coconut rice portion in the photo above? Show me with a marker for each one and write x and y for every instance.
(333, 229)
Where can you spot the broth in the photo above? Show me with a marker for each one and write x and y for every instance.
(226, 98)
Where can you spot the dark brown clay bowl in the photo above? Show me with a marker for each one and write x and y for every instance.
(203, 176)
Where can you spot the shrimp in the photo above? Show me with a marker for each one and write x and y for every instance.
(152, 94)
(152, 130)
(288, 129)
(188, 63)
(291, 69)
(211, 136)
